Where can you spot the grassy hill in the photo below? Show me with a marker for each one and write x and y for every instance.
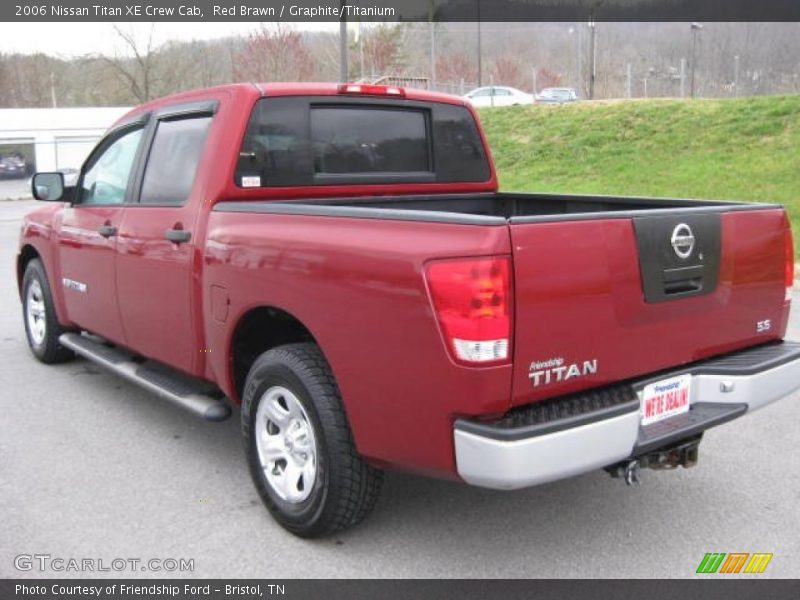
(732, 149)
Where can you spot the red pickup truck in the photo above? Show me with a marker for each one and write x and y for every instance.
(337, 260)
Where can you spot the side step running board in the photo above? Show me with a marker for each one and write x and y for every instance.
(182, 390)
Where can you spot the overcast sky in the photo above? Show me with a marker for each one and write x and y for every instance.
(76, 39)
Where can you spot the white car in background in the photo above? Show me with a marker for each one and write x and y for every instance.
(498, 95)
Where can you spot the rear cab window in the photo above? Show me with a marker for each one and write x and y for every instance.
(301, 141)
(345, 140)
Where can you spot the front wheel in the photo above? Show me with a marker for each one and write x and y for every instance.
(41, 325)
(299, 446)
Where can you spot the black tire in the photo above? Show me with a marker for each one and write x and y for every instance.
(47, 349)
(346, 488)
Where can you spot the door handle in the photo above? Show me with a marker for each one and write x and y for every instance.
(107, 230)
(178, 236)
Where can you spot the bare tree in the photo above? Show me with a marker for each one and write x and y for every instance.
(138, 73)
(142, 69)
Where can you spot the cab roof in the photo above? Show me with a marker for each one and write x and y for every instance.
(274, 89)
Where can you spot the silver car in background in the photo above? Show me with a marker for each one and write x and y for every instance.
(498, 95)
(556, 96)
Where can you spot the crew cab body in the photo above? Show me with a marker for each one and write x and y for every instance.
(504, 339)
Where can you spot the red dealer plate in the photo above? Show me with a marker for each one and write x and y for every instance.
(666, 398)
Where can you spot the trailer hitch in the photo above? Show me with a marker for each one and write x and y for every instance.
(683, 454)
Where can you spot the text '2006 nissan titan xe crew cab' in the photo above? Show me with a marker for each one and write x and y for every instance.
(337, 260)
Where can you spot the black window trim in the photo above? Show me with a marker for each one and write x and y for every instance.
(173, 112)
(307, 102)
(199, 108)
(141, 122)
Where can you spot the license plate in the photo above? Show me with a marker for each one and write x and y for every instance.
(666, 398)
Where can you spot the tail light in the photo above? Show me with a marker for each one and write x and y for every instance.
(371, 90)
(789, 250)
(473, 299)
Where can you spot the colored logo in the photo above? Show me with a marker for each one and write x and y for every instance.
(735, 562)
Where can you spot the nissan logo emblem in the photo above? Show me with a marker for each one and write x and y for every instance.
(682, 241)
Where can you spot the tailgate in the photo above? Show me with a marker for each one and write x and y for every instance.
(608, 299)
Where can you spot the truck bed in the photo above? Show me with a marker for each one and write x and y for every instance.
(490, 209)
(597, 280)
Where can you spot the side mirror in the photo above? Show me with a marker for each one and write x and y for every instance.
(48, 186)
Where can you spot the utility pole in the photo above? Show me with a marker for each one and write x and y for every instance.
(432, 26)
(533, 78)
(576, 29)
(361, 68)
(343, 43)
(644, 81)
(683, 78)
(592, 57)
(580, 89)
(695, 27)
(628, 81)
(53, 90)
(736, 75)
(480, 65)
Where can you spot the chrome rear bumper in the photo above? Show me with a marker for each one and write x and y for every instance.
(503, 457)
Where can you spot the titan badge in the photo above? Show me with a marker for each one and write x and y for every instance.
(556, 370)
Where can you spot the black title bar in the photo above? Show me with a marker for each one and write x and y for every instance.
(399, 10)
(245, 589)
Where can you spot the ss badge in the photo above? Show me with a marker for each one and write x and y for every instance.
(763, 326)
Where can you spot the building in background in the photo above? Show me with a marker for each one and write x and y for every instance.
(54, 138)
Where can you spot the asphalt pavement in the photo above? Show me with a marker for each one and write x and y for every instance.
(14, 189)
(92, 467)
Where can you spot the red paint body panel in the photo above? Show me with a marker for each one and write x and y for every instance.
(579, 297)
(158, 325)
(38, 233)
(358, 286)
(87, 257)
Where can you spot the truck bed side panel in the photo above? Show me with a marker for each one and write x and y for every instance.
(358, 286)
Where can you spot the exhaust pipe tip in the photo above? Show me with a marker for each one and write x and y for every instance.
(631, 473)
(628, 471)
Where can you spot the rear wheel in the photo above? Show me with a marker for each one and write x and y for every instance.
(41, 326)
(299, 446)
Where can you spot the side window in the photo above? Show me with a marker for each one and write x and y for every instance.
(106, 178)
(174, 156)
(458, 149)
(276, 150)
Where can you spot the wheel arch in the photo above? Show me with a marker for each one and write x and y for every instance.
(26, 254)
(258, 330)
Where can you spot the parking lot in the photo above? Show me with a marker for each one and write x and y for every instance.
(14, 189)
(92, 467)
